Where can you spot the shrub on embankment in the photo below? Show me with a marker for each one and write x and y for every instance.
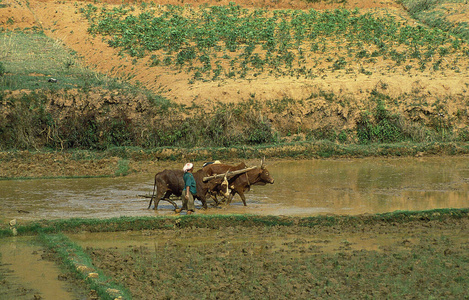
(64, 120)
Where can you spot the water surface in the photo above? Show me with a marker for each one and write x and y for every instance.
(301, 188)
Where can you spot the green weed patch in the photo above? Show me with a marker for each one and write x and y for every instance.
(220, 221)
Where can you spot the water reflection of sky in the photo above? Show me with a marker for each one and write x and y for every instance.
(306, 187)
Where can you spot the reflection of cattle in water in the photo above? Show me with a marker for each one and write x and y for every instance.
(171, 182)
(241, 183)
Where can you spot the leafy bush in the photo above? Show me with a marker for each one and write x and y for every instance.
(2, 69)
(381, 126)
(26, 122)
(259, 133)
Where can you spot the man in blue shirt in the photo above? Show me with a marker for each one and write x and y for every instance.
(189, 190)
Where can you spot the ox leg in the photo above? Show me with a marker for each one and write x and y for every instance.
(215, 199)
(243, 198)
(224, 199)
(163, 197)
(241, 194)
(204, 202)
(230, 197)
(156, 203)
(172, 202)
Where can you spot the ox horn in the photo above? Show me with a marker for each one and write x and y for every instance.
(263, 162)
(226, 193)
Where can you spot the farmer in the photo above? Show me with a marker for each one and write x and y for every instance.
(189, 190)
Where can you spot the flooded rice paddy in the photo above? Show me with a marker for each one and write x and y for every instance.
(301, 188)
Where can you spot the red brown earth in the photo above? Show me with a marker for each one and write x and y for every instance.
(62, 22)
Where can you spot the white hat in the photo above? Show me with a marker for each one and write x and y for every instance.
(187, 167)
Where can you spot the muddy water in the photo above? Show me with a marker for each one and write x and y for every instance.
(156, 241)
(369, 185)
(27, 274)
(301, 188)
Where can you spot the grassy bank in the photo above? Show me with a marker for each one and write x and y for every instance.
(221, 221)
(121, 161)
(62, 120)
(76, 261)
(30, 60)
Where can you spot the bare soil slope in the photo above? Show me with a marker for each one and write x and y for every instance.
(62, 21)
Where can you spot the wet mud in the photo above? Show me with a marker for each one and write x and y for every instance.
(379, 261)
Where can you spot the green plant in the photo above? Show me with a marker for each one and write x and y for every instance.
(259, 133)
(261, 41)
(122, 167)
(2, 69)
(339, 64)
(381, 126)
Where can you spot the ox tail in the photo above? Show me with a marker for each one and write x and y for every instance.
(153, 195)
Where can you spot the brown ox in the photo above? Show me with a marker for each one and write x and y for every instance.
(219, 168)
(242, 182)
(171, 182)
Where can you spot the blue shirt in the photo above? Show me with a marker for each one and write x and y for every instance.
(189, 181)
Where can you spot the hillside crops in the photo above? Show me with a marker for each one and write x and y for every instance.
(230, 41)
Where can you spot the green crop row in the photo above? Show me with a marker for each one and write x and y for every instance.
(231, 41)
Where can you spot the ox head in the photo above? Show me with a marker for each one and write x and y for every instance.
(265, 175)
